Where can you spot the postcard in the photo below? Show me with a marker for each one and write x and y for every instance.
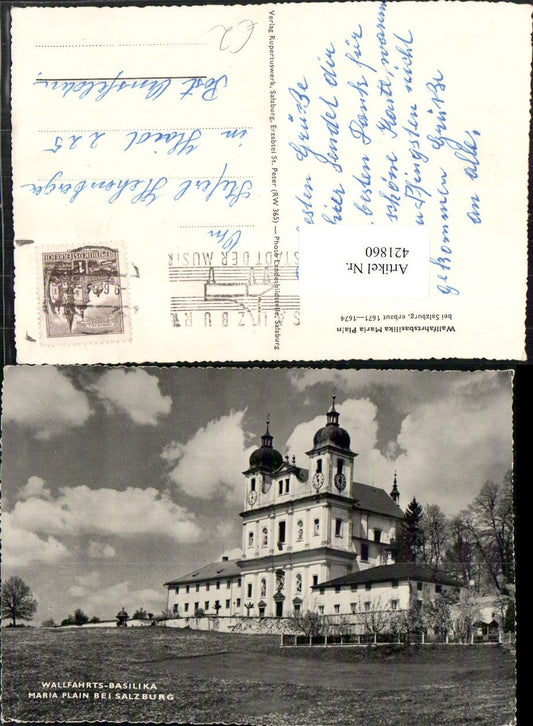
(293, 181)
(308, 546)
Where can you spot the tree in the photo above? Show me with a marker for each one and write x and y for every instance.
(435, 530)
(140, 614)
(467, 614)
(460, 554)
(437, 614)
(48, 623)
(489, 521)
(79, 617)
(17, 600)
(376, 618)
(309, 622)
(410, 536)
(94, 619)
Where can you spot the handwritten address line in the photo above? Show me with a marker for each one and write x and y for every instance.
(122, 78)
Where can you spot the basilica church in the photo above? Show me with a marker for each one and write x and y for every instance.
(308, 532)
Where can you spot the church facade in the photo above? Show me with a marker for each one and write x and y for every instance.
(302, 528)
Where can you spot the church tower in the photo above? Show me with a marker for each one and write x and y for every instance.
(331, 461)
(262, 463)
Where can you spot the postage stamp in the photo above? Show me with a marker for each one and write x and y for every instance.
(83, 293)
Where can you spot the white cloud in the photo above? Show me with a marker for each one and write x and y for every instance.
(101, 550)
(104, 601)
(23, 548)
(43, 399)
(452, 447)
(134, 392)
(35, 487)
(212, 460)
(81, 510)
(234, 553)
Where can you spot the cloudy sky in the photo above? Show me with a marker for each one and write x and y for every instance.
(116, 480)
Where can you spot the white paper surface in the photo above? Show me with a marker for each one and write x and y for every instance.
(207, 143)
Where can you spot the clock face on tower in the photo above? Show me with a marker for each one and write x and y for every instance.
(340, 481)
(318, 480)
(252, 497)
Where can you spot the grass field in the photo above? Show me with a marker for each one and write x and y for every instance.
(247, 679)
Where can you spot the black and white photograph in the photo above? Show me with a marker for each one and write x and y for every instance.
(287, 546)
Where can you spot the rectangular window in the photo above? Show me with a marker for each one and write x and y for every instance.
(438, 588)
(228, 584)
(296, 607)
(395, 583)
(338, 528)
(353, 587)
(238, 602)
(368, 585)
(419, 586)
(187, 589)
(217, 606)
(340, 463)
(321, 591)
(252, 485)
(218, 584)
(315, 580)
(377, 535)
(337, 588)
(196, 606)
(337, 608)
(228, 603)
(207, 587)
(364, 552)
(178, 590)
(239, 582)
(280, 486)
(206, 605)
(281, 532)
(367, 605)
(175, 608)
(287, 483)
(319, 465)
(394, 604)
(186, 607)
(197, 587)
(321, 609)
(353, 607)
(249, 590)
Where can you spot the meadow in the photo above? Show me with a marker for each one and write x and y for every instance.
(174, 676)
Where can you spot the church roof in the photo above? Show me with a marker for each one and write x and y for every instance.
(266, 456)
(398, 571)
(374, 499)
(213, 571)
(332, 434)
(289, 468)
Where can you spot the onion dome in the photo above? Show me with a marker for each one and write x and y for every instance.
(332, 434)
(266, 457)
